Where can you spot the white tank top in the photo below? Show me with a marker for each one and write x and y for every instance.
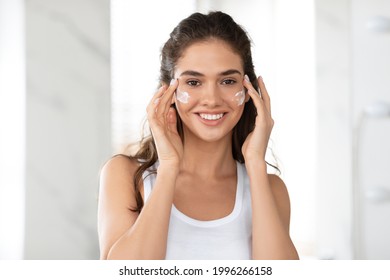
(227, 238)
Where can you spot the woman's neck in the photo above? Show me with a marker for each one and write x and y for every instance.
(208, 160)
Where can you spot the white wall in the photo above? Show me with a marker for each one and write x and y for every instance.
(334, 181)
(352, 73)
(371, 84)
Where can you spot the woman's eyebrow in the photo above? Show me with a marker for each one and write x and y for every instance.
(191, 73)
(198, 74)
(230, 72)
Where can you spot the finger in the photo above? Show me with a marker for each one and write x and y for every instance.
(264, 94)
(253, 93)
(171, 119)
(155, 99)
(153, 106)
(159, 104)
(256, 99)
(249, 86)
(166, 99)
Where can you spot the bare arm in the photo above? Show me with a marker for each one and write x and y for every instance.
(270, 201)
(270, 215)
(124, 234)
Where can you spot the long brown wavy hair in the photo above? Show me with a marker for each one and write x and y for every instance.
(195, 28)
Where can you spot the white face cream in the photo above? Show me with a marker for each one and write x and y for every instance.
(239, 97)
(182, 97)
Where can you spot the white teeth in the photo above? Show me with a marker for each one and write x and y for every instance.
(211, 117)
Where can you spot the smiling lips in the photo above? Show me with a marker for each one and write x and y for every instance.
(211, 117)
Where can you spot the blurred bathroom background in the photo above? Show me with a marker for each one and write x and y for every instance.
(75, 78)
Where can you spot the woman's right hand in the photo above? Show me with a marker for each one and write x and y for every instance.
(162, 122)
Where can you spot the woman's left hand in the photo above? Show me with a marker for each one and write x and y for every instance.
(255, 145)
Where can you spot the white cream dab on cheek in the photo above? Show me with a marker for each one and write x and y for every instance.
(240, 97)
(182, 97)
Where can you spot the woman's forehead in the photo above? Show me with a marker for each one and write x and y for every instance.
(209, 57)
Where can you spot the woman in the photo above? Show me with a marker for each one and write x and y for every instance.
(198, 187)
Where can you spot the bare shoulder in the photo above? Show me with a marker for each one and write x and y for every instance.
(116, 179)
(282, 199)
(116, 201)
(277, 184)
(119, 167)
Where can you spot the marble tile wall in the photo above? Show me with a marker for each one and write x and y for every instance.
(68, 124)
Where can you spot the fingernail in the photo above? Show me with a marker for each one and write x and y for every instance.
(246, 78)
(156, 101)
(261, 77)
(172, 82)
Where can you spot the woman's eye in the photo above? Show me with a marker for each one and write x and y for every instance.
(193, 83)
(228, 82)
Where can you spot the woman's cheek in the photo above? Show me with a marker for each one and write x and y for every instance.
(183, 97)
(239, 98)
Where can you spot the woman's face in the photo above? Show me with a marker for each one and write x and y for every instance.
(210, 96)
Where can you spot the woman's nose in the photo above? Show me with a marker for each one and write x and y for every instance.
(211, 95)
